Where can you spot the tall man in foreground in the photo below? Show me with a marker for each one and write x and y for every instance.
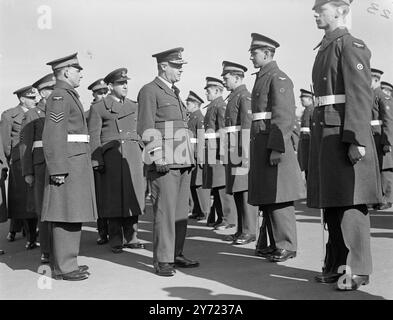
(274, 178)
(343, 170)
(69, 196)
(162, 124)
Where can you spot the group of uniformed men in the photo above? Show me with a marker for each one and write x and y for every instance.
(67, 167)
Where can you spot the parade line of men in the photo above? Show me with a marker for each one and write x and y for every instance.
(67, 166)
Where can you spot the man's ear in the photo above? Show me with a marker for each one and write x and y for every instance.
(110, 87)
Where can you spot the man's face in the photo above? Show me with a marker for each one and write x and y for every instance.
(212, 93)
(28, 102)
(257, 56)
(99, 94)
(306, 101)
(120, 89)
(230, 81)
(173, 71)
(191, 105)
(325, 16)
(375, 82)
(74, 75)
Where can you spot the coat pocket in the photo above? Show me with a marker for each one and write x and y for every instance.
(333, 118)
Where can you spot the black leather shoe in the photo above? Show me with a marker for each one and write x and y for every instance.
(45, 258)
(118, 249)
(136, 245)
(231, 237)
(265, 252)
(182, 262)
(102, 240)
(2, 252)
(83, 268)
(281, 255)
(165, 269)
(244, 239)
(11, 236)
(356, 282)
(72, 276)
(31, 245)
(327, 277)
(223, 226)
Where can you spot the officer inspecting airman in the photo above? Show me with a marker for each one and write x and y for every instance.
(237, 125)
(162, 124)
(200, 196)
(274, 176)
(343, 173)
(32, 156)
(99, 90)
(117, 155)
(69, 196)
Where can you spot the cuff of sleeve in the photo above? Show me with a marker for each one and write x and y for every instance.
(56, 168)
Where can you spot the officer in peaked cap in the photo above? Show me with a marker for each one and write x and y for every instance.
(32, 157)
(99, 89)
(69, 196)
(237, 126)
(319, 3)
(117, 157)
(342, 150)
(200, 196)
(213, 168)
(160, 108)
(306, 98)
(19, 208)
(387, 88)
(382, 128)
(274, 176)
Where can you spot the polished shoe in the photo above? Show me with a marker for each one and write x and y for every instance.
(330, 277)
(244, 239)
(102, 240)
(31, 245)
(135, 245)
(356, 282)
(231, 237)
(72, 276)
(223, 226)
(83, 268)
(196, 216)
(210, 224)
(118, 249)
(45, 258)
(281, 255)
(2, 252)
(11, 236)
(182, 262)
(165, 269)
(264, 252)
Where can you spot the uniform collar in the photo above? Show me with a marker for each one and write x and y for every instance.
(239, 89)
(160, 82)
(330, 37)
(166, 82)
(41, 105)
(269, 67)
(64, 85)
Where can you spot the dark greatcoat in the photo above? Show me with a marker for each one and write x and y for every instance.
(273, 92)
(195, 123)
(117, 147)
(33, 160)
(18, 205)
(214, 122)
(383, 133)
(3, 168)
(74, 201)
(238, 113)
(342, 66)
(304, 139)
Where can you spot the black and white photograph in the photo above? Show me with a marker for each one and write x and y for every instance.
(196, 154)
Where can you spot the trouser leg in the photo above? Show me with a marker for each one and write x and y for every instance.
(204, 200)
(30, 226)
(387, 185)
(246, 213)
(16, 225)
(65, 246)
(228, 206)
(283, 222)
(130, 229)
(217, 205)
(115, 232)
(102, 226)
(196, 208)
(44, 236)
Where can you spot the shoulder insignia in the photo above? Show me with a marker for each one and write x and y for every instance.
(358, 45)
(359, 66)
(57, 98)
(57, 117)
(282, 90)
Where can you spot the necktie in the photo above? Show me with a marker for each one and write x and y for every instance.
(176, 90)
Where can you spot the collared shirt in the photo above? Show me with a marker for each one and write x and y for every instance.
(166, 82)
(116, 98)
(25, 109)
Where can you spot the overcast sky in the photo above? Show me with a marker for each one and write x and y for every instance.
(125, 33)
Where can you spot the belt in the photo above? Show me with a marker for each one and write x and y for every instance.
(327, 100)
(261, 116)
(193, 140)
(305, 129)
(376, 122)
(212, 135)
(78, 138)
(233, 129)
(37, 144)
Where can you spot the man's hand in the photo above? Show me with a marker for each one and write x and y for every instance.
(29, 179)
(161, 166)
(356, 153)
(58, 180)
(387, 149)
(275, 158)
